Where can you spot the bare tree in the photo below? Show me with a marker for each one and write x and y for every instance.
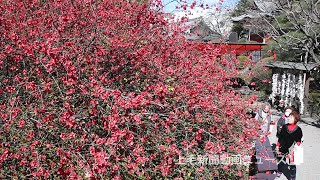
(295, 25)
(220, 22)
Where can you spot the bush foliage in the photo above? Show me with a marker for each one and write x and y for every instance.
(110, 90)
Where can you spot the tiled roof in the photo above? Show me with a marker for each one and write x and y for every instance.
(266, 6)
(199, 24)
(293, 65)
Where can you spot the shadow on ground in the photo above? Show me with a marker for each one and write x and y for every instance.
(315, 124)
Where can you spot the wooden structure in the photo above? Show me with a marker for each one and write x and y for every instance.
(291, 82)
(250, 20)
(198, 30)
(204, 37)
(233, 48)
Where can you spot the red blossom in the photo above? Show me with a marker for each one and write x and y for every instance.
(111, 89)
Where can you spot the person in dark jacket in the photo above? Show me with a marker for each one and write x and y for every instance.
(283, 119)
(290, 135)
(296, 104)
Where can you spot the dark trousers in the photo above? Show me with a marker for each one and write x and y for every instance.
(289, 170)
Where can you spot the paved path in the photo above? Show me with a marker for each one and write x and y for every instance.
(310, 169)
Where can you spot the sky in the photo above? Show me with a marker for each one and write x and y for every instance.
(170, 5)
(218, 12)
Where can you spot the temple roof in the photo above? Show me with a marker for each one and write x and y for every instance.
(198, 29)
(263, 8)
(293, 65)
(250, 15)
(266, 6)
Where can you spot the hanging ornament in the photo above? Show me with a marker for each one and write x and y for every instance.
(275, 84)
(283, 85)
(301, 93)
(293, 89)
(287, 89)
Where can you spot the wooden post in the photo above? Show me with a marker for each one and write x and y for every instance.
(306, 82)
(306, 93)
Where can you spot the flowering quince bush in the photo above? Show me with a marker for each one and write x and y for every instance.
(109, 89)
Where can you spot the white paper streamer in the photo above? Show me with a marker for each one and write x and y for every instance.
(283, 85)
(301, 92)
(274, 85)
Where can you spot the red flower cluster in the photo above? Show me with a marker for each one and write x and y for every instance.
(109, 89)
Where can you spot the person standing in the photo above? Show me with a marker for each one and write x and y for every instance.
(296, 104)
(289, 136)
(264, 116)
(283, 119)
(261, 151)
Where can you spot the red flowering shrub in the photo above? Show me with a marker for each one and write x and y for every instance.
(108, 89)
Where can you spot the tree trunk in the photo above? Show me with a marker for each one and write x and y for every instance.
(306, 94)
(314, 56)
